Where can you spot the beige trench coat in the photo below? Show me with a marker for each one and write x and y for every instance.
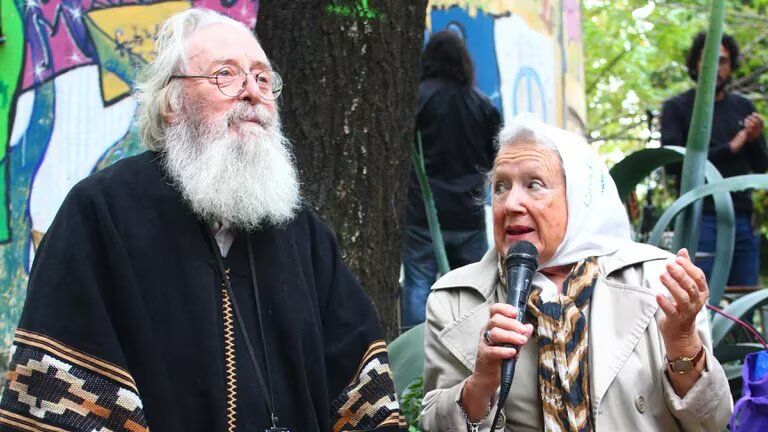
(628, 386)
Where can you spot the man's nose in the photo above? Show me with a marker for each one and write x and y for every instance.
(252, 93)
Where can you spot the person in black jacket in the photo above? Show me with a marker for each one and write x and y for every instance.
(189, 288)
(737, 147)
(458, 126)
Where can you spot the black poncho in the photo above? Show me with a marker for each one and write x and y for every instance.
(127, 325)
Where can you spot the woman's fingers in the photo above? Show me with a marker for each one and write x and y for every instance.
(503, 309)
(680, 297)
(500, 352)
(666, 305)
(500, 336)
(695, 273)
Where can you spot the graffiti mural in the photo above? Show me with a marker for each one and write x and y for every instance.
(66, 110)
(527, 53)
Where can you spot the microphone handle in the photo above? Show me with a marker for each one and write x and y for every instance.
(519, 278)
(518, 286)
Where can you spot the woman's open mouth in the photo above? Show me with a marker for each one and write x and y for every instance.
(516, 230)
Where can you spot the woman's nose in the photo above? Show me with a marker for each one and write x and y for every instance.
(515, 201)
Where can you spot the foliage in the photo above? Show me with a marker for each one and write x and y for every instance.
(634, 54)
(410, 403)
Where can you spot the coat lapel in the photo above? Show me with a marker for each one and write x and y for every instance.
(473, 310)
(619, 314)
(620, 311)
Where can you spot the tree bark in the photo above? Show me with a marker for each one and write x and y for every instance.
(351, 71)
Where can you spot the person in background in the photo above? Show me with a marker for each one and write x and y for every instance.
(458, 126)
(737, 146)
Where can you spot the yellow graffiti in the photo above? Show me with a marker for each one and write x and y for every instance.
(124, 38)
(538, 14)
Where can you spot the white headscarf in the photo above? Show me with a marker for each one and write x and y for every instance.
(597, 221)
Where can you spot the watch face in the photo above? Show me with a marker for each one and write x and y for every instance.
(682, 366)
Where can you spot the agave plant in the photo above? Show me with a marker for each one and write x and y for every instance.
(730, 342)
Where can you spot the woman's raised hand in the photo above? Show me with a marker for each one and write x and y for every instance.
(689, 292)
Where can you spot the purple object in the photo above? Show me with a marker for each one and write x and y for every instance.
(751, 411)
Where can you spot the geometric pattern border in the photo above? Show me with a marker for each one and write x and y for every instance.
(368, 402)
(53, 387)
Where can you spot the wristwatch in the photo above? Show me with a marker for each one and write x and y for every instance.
(683, 365)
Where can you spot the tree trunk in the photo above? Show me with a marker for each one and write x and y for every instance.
(351, 71)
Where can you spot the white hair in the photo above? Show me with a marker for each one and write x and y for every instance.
(525, 129)
(156, 93)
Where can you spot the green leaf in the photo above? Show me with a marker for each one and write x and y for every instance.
(688, 225)
(638, 165)
(725, 353)
(631, 170)
(406, 357)
(721, 325)
(732, 184)
(438, 246)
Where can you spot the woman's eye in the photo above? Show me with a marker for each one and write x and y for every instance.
(536, 185)
(224, 73)
(499, 188)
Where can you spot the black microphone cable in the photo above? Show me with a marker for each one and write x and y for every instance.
(521, 264)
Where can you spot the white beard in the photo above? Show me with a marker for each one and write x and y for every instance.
(246, 180)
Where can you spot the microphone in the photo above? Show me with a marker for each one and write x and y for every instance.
(521, 263)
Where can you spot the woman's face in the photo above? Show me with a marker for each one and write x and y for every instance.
(529, 201)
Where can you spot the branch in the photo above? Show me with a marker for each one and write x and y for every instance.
(749, 79)
(619, 135)
(607, 68)
(616, 138)
(745, 50)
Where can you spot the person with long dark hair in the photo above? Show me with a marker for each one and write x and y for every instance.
(457, 125)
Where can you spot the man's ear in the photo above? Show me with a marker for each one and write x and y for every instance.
(170, 113)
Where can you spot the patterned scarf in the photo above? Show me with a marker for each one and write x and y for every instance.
(562, 331)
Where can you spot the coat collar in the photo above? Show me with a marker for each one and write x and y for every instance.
(622, 307)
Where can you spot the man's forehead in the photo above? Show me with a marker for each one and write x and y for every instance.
(222, 43)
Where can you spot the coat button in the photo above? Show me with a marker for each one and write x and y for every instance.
(502, 422)
(640, 404)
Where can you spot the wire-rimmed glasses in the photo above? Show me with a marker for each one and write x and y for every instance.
(232, 80)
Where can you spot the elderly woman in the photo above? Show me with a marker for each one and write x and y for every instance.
(619, 339)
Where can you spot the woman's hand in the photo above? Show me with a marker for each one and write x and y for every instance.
(502, 328)
(689, 292)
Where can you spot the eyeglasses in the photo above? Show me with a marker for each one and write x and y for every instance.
(232, 80)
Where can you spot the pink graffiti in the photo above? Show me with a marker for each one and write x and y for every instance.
(57, 39)
(573, 19)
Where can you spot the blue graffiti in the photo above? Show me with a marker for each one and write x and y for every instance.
(529, 90)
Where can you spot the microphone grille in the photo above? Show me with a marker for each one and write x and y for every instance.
(522, 253)
(523, 247)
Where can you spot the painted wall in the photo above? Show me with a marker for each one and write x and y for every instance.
(66, 70)
(527, 53)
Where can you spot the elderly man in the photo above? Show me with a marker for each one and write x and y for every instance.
(188, 288)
